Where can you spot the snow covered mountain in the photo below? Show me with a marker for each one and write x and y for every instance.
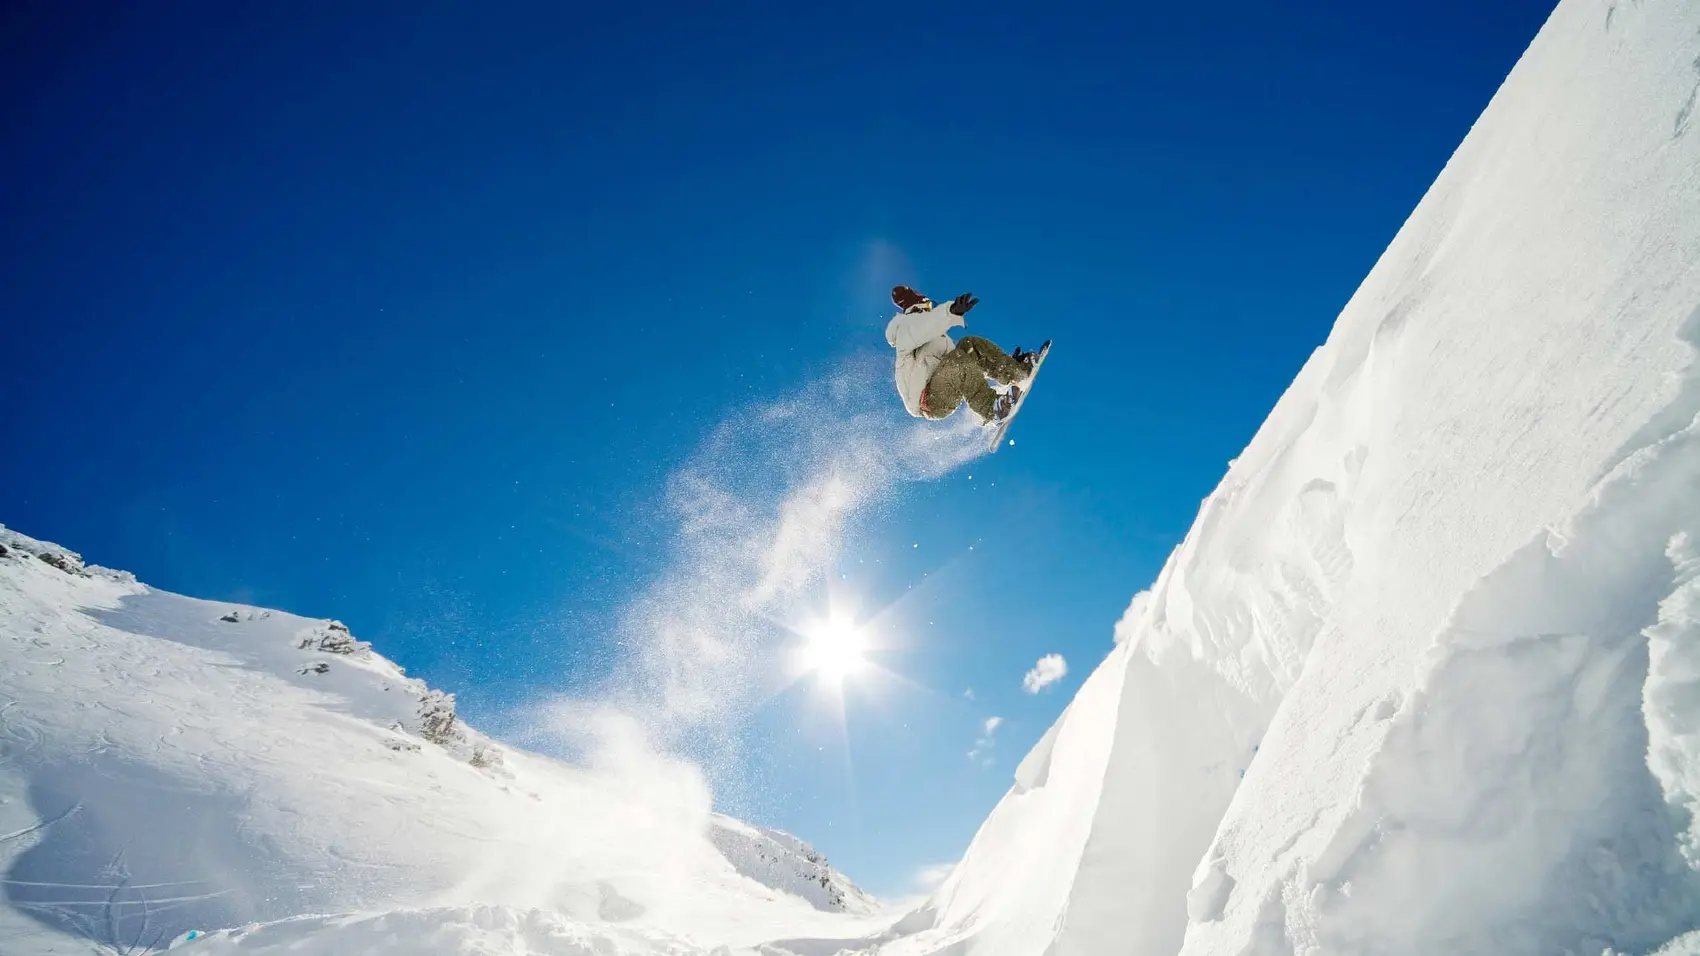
(169, 764)
(1424, 676)
(778, 860)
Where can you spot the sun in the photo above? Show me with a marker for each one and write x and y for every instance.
(834, 649)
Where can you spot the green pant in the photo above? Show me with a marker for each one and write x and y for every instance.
(961, 376)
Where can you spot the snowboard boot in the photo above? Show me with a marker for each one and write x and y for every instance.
(1006, 403)
(1029, 359)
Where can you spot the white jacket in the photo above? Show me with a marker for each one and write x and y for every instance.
(920, 341)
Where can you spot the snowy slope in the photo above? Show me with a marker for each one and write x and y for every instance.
(169, 764)
(778, 860)
(1443, 611)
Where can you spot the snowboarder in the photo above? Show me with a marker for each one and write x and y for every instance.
(935, 374)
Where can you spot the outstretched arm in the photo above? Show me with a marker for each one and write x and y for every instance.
(909, 331)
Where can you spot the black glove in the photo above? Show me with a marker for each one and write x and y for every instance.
(963, 303)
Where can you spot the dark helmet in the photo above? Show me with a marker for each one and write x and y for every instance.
(908, 300)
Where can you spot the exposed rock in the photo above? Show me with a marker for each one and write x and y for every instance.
(63, 560)
(331, 637)
(437, 717)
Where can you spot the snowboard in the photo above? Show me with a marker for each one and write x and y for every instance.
(1002, 428)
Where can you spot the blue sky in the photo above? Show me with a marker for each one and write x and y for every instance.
(406, 316)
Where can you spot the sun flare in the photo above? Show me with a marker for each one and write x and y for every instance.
(834, 649)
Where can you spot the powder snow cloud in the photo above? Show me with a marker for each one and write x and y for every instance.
(761, 510)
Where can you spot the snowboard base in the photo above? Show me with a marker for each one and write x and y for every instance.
(1002, 428)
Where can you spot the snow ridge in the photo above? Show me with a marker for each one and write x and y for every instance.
(1421, 677)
